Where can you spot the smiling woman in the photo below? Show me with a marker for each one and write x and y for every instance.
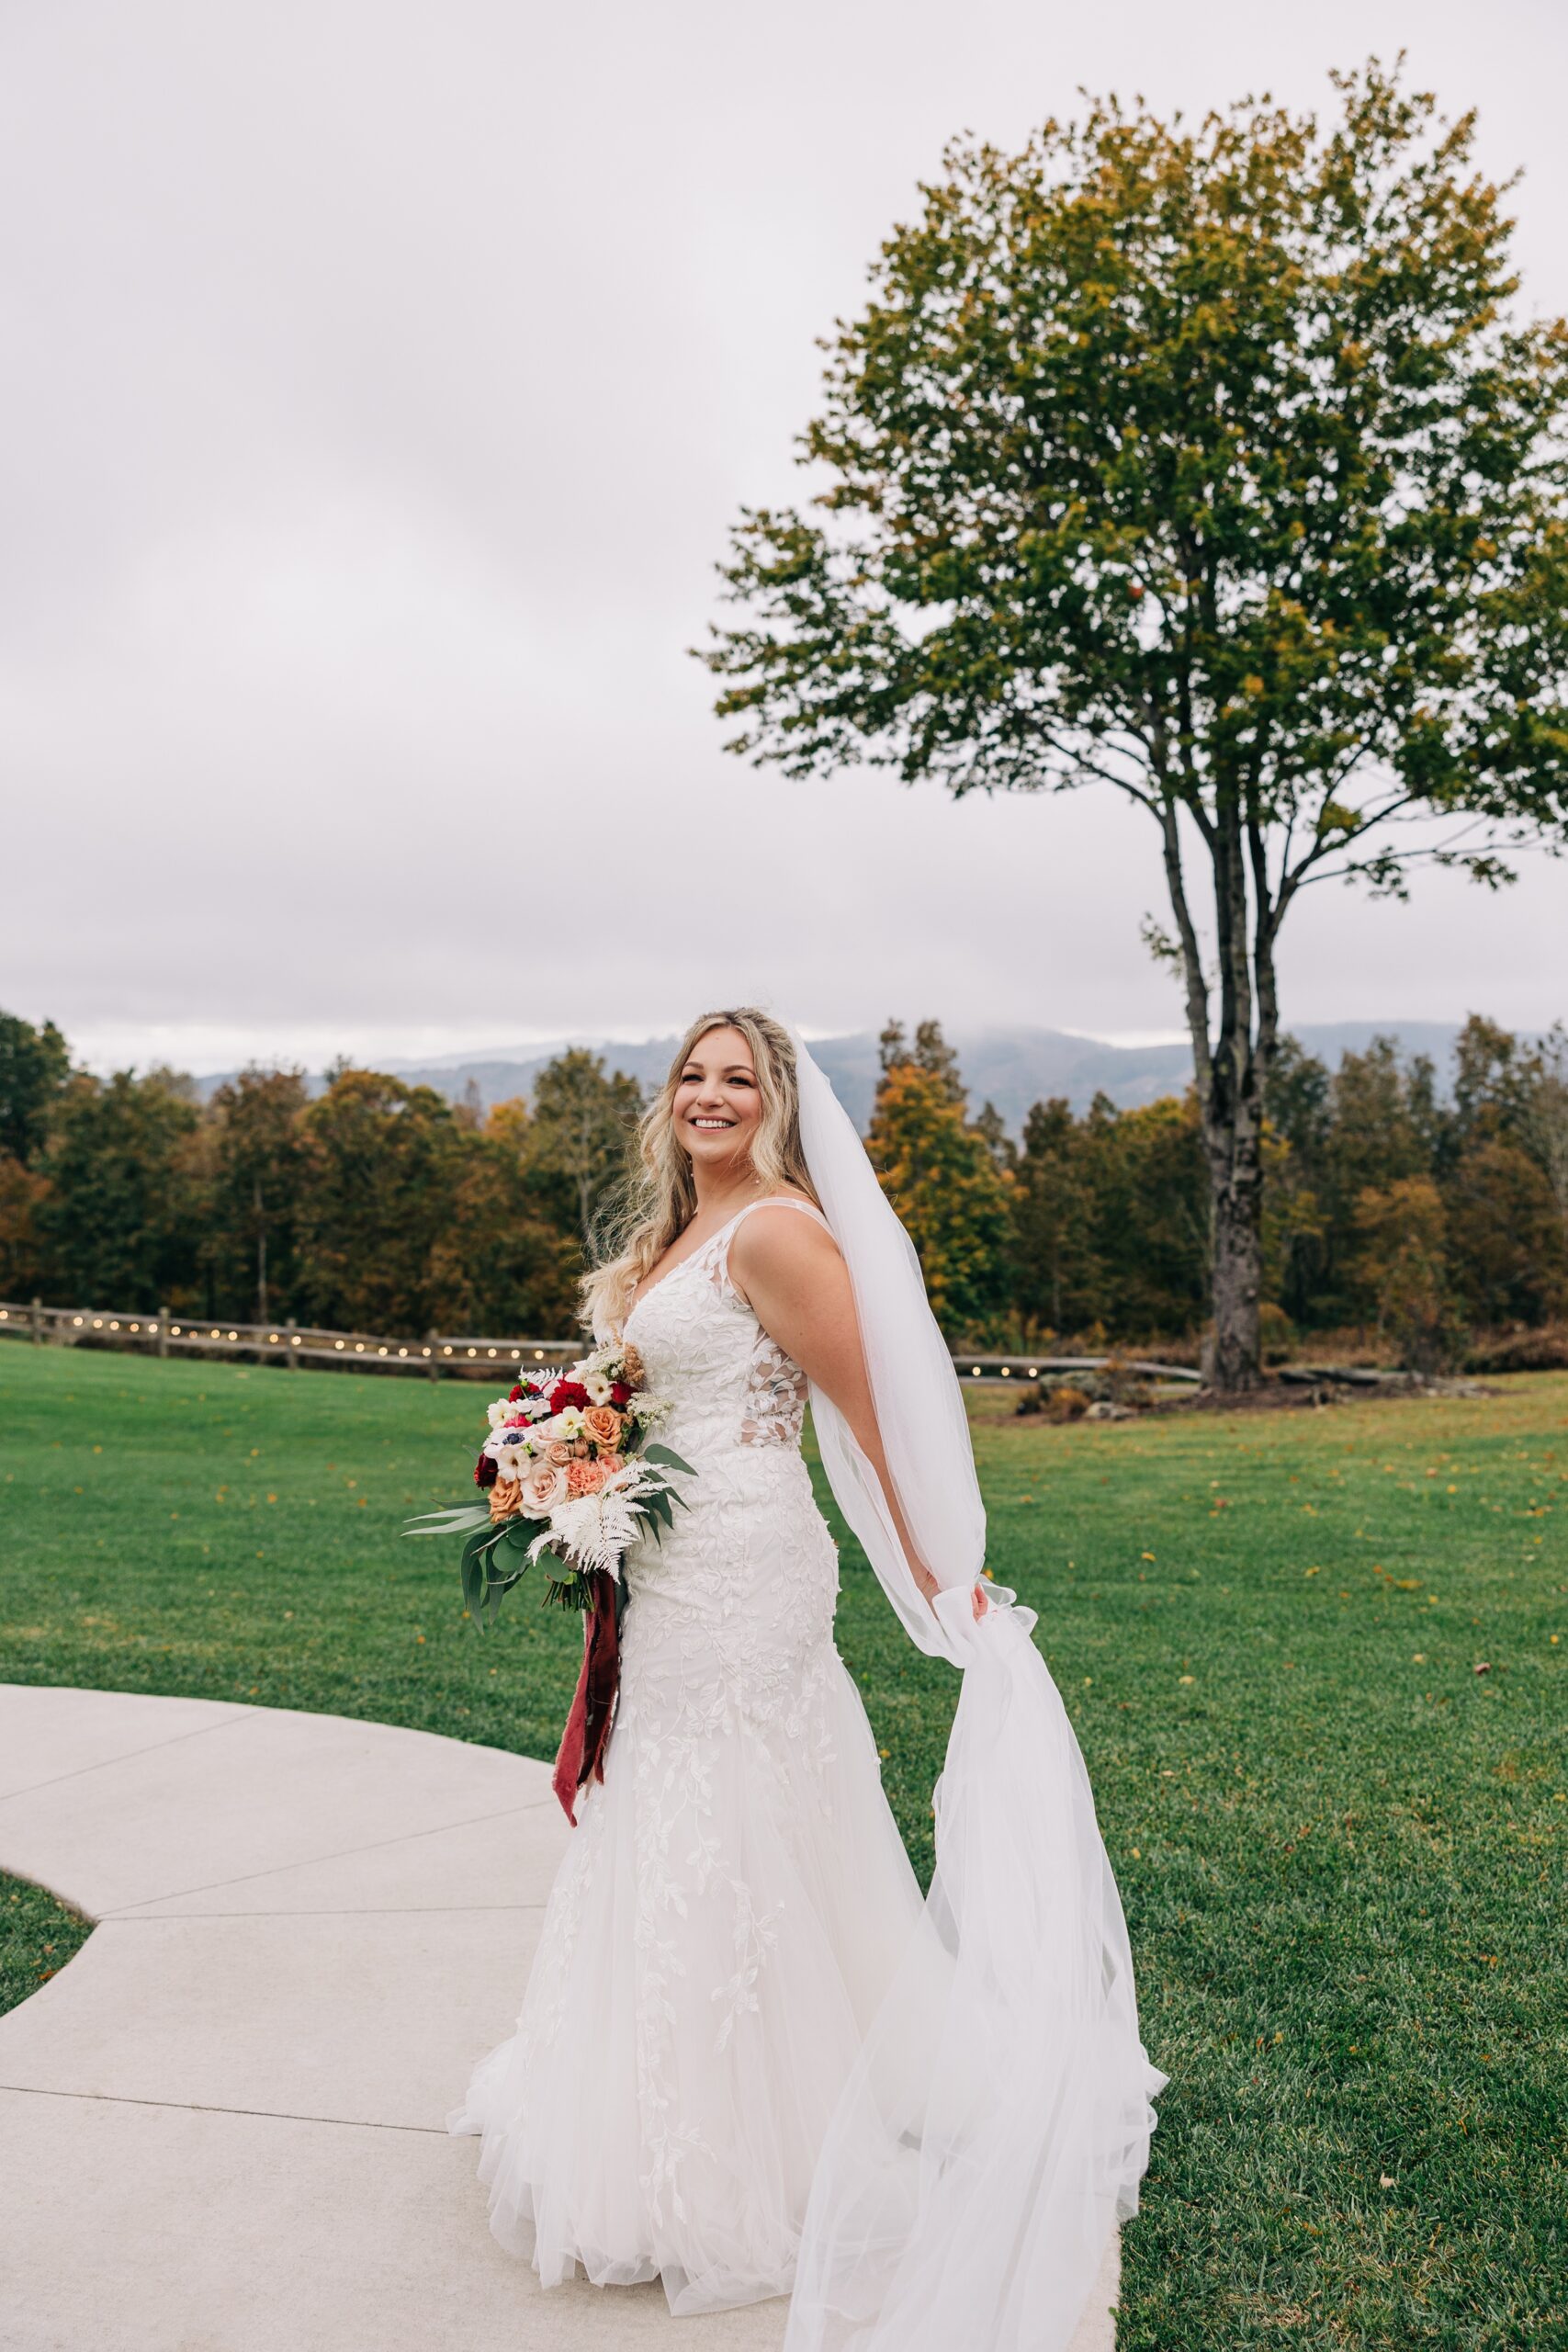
(779, 2021)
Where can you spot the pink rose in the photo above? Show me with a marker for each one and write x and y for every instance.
(558, 1451)
(584, 1477)
(544, 1489)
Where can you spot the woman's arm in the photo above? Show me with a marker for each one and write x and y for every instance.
(792, 1274)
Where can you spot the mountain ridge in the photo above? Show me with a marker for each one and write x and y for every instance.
(1012, 1066)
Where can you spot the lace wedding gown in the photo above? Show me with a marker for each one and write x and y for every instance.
(736, 1897)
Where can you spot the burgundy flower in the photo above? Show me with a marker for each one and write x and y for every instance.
(568, 1392)
(619, 1393)
(485, 1471)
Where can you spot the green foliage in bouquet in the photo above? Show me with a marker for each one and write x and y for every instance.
(497, 1554)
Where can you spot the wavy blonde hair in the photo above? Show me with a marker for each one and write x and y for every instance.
(660, 1199)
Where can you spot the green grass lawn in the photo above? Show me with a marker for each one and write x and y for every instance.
(1342, 1848)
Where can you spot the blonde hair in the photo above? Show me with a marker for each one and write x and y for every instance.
(660, 1199)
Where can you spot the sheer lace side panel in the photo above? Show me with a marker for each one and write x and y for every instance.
(774, 1406)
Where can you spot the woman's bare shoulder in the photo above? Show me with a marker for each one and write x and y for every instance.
(765, 1242)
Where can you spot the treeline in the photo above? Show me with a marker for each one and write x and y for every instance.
(375, 1206)
(1399, 1211)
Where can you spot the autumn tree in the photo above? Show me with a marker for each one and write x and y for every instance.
(382, 1162)
(34, 1065)
(1211, 467)
(1404, 1270)
(1059, 1284)
(503, 1263)
(942, 1177)
(256, 1164)
(580, 1128)
(118, 1225)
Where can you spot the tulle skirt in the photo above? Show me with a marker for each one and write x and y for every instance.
(734, 1904)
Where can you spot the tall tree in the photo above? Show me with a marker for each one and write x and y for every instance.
(1059, 1285)
(580, 1128)
(1545, 1124)
(34, 1067)
(120, 1223)
(1211, 467)
(256, 1166)
(942, 1177)
(383, 1163)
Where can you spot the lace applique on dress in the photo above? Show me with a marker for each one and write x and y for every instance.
(776, 1391)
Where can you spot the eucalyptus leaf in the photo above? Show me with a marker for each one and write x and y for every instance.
(666, 1456)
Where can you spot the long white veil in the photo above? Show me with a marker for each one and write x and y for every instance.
(996, 2124)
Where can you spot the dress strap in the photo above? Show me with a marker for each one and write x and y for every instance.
(780, 1200)
(768, 1201)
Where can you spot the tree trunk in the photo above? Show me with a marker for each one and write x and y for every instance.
(1235, 1175)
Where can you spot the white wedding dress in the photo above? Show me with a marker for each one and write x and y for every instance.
(736, 1898)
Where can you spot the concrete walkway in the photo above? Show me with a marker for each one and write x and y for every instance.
(220, 2126)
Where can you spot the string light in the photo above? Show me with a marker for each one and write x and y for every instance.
(425, 1352)
(402, 1352)
(337, 1343)
(295, 1342)
(975, 1372)
(97, 1322)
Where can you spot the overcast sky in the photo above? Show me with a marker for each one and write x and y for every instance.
(381, 380)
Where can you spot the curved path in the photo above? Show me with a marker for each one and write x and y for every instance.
(221, 2125)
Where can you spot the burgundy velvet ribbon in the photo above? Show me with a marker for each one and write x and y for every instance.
(587, 1732)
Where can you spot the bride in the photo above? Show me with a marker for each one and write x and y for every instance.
(750, 2060)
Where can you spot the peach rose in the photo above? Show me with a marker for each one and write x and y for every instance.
(505, 1499)
(544, 1489)
(612, 1465)
(558, 1452)
(604, 1425)
(584, 1477)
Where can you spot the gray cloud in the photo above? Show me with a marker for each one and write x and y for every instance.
(382, 382)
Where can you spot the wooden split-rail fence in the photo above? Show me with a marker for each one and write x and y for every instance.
(439, 1354)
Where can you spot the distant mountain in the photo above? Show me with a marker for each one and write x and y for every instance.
(1014, 1069)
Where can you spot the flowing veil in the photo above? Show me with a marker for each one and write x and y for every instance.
(996, 2124)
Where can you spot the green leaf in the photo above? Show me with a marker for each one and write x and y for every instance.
(667, 1457)
(449, 1523)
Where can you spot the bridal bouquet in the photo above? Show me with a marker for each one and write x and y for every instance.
(570, 1475)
